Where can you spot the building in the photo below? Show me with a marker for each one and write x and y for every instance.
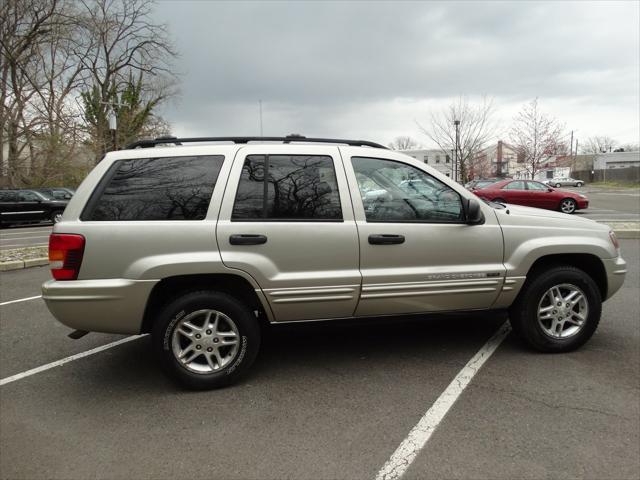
(497, 161)
(608, 161)
(434, 158)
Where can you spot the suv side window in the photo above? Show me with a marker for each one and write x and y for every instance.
(396, 192)
(8, 196)
(168, 188)
(296, 187)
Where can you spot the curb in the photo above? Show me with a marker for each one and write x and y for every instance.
(20, 264)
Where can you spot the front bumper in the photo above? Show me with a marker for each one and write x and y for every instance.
(582, 204)
(111, 306)
(616, 269)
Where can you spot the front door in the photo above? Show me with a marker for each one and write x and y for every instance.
(416, 252)
(516, 193)
(540, 195)
(287, 220)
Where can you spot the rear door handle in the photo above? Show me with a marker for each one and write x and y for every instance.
(385, 239)
(248, 239)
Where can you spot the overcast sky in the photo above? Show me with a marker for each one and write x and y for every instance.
(369, 70)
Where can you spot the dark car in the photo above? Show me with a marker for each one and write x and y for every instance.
(533, 194)
(29, 206)
(58, 193)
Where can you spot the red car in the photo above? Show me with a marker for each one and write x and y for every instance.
(533, 194)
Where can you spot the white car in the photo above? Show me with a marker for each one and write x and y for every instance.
(564, 182)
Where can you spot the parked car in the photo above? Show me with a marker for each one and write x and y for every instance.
(533, 194)
(59, 193)
(564, 182)
(291, 232)
(29, 206)
(480, 183)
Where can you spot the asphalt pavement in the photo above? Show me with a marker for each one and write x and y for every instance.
(323, 401)
(24, 236)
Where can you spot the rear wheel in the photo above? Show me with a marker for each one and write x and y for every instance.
(568, 205)
(579, 184)
(558, 310)
(558, 185)
(206, 339)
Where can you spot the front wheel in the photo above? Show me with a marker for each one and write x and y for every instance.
(568, 205)
(558, 185)
(206, 339)
(558, 309)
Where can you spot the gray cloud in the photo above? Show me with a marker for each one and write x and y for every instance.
(369, 68)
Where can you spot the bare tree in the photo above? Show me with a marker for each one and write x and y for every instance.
(128, 44)
(476, 128)
(403, 143)
(599, 144)
(536, 136)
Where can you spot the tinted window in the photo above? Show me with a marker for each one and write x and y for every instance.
(396, 192)
(296, 187)
(172, 188)
(28, 197)
(519, 185)
(6, 196)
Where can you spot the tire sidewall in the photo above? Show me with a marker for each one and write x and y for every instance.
(179, 308)
(524, 315)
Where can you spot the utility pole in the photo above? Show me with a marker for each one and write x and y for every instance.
(457, 124)
(260, 103)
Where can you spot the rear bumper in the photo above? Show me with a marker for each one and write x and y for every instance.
(111, 306)
(616, 269)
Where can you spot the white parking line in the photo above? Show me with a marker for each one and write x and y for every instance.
(20, 300)
(58, 363)
(408, 450)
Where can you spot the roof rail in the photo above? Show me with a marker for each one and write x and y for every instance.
(287, 139)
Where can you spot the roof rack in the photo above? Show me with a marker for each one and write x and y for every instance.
(241, 140)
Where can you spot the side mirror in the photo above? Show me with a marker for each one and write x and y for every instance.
(473, 212)
(549, 189)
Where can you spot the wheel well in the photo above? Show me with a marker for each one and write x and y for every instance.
(590, 264)
(171, 287)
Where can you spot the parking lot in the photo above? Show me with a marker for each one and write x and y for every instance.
(323, 401)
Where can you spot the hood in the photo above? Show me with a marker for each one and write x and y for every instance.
(520, 215)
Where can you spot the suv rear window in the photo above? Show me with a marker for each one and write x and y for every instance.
(167, 188)
(297, 187)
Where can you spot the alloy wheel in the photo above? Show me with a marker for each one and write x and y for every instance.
(568, 206)
(205, 341)
(563, 311)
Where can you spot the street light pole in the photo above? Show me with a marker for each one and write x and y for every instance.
(457, 124)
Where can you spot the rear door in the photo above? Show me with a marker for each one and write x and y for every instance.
(417, 253)
(516, 192)
(287, 220)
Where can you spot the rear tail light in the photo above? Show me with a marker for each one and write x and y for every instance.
(65, 255)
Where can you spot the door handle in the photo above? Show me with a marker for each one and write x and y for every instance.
(248, 239)
(385, 239)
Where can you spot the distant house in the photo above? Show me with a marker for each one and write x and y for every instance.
(498, 160)
(434, 158)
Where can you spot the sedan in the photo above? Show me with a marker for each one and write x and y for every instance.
(533, 194)
(564, 182)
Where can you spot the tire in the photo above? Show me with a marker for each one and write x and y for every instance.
(579, 184)
(233, 319)
(534, 297)
(558, 185)
(499, 200)
(55, 217)
(568, 205)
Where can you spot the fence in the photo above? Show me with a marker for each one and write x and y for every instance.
(622, 175)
